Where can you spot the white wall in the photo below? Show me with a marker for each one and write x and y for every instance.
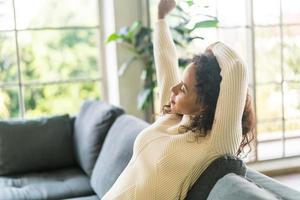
(121, 91)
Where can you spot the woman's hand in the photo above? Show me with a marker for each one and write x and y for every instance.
(164, 7)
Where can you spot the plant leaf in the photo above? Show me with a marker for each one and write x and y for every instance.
(143, 97)
(113, 37)
(125, 34)
(178, 43)
(133, 28)
(145, 48)
(142, 35)
(180, 9)
(206, 24)
(190, 2)
(193, 38)
(147, 72)
(181, 29)
(125, 65)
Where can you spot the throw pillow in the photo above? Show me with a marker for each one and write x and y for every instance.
(91, 126)
(35, 145)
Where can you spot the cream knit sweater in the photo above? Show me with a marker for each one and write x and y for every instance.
(166, 162)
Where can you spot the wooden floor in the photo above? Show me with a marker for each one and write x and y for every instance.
(291, 180)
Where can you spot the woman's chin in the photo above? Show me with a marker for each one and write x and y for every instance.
(172, 109)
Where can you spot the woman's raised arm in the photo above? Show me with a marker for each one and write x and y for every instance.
(226, 133)
(166, 60)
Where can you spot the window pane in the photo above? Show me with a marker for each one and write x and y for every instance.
(59, 99)
(9, 103)
(266, 12)
(292, 147)
(292, 127)
(6, 15)
(291, 100)
(8, 66)
(268, 101)
(269, 130)
(292, 52)
(226, 15)
(60, 54)
(237, 39)
(291, 11)
(267, 52)
(269, 150)
(39, 13)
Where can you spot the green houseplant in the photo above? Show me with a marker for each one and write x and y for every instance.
(138, 40)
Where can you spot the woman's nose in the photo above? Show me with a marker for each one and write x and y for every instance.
(173, 89)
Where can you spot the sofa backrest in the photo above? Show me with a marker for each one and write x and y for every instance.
(116, 152)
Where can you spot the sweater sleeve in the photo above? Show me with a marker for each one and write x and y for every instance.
(166, 61)
(226, 133)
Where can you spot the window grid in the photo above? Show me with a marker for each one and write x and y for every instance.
(20, 84)
(279, 139)
(54, 82)
(282, 81)
(51, 28)
(251, 27)
(253, 60)
(283, 119)
(21, 96)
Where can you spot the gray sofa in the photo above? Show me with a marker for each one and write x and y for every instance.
(80, 157)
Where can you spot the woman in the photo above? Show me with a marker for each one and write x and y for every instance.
(205, 114)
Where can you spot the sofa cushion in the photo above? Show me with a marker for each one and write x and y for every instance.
(234, 187)
(55, 184)
(116, 152)
(36, 144)
(272, 185)
(216, 170)
(91, 126)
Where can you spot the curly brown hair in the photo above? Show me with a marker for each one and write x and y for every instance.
(208, 81)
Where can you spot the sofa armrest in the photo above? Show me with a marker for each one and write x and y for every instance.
(234, 187)
(272, 185)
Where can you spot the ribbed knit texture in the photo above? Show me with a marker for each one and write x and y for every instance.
(166, 162)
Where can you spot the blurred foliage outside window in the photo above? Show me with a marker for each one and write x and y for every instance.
(55, 44)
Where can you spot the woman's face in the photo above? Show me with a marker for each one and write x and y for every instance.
(183, 95)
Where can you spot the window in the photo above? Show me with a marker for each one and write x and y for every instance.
(277, 48)
(49, 56)
(267, 35)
